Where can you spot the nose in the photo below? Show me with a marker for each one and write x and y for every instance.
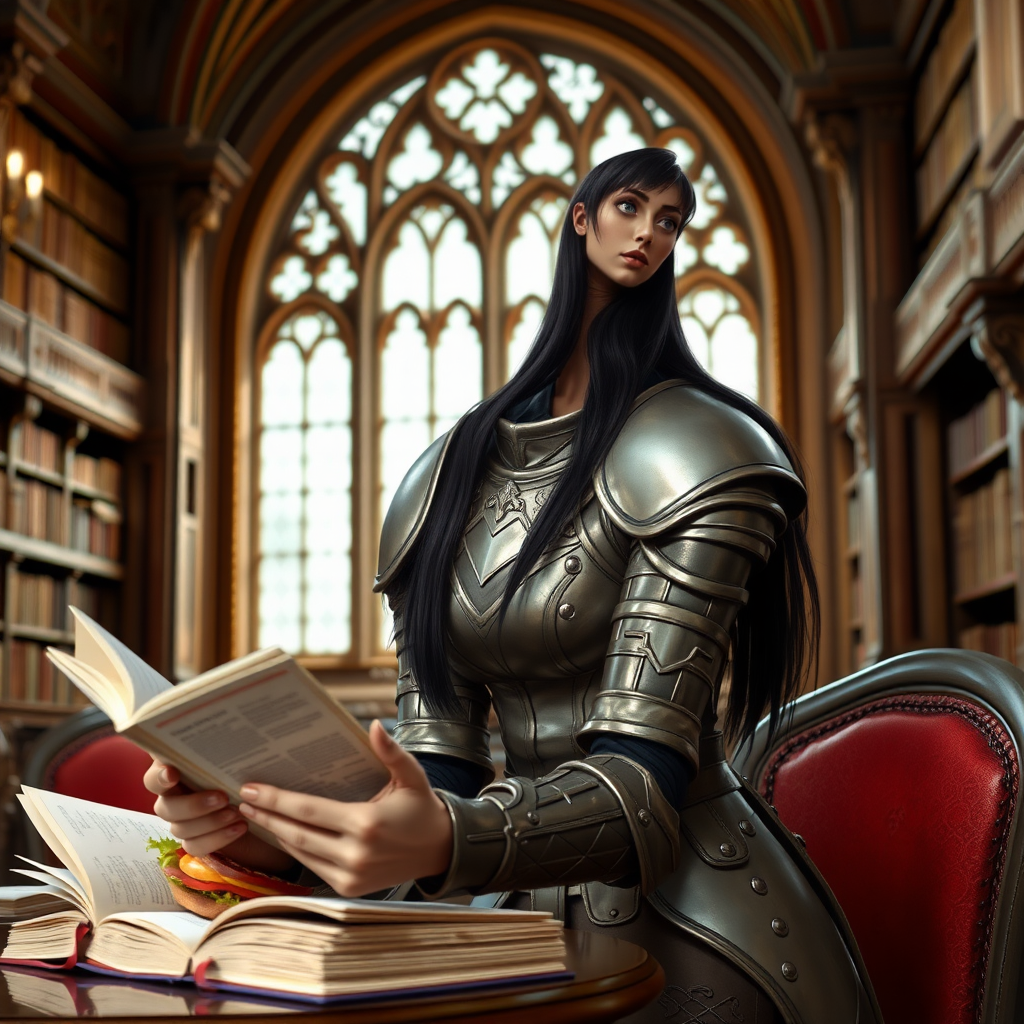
(644, 232)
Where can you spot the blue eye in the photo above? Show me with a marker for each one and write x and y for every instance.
(626, 202)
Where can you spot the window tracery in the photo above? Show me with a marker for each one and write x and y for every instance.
(433, 225)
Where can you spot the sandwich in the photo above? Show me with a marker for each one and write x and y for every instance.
(209, 885)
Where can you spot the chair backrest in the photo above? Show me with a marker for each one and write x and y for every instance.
(83, 757)
(903, 780)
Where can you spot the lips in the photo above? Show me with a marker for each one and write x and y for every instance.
(635, 258)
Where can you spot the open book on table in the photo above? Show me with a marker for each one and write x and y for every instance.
(110, 908)
(259, 718)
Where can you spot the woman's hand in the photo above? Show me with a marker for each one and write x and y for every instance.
(404, 832)
(205, 822)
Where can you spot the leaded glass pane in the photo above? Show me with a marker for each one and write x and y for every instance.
(406, 275)
(547, 152)
(281, 523)
(281, 459)
(405, 371)
(458, 368)
(328, 590)
(618, 137)
(280, 600)
(282, 386)
(734, 354)
(349, 194)
(457, 271)
(523, 334)
(330, 384)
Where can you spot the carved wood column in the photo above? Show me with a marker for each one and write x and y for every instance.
(182, 184)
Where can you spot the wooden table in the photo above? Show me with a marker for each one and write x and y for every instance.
(613, 979)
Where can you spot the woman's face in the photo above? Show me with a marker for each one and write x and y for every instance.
(635, 232)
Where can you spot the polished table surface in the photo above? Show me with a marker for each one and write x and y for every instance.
(612, 979)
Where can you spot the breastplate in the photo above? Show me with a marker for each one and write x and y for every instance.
(543, 661)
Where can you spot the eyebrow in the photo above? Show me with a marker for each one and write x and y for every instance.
(647, 199)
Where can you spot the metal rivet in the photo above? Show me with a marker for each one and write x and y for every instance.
(570, 531)
(800, 839)
(728, 850)
(780, 927)
(533, 817)
(747, 827)
(613, 912)
(644, 817)
(789, 971)
(775, 810)
(759, 885)
(567, 610)
(573, 564)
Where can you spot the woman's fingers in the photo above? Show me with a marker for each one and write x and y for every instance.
(405, 770)
(318, 811)
(186, 805)
(160, 778)
(207, 842)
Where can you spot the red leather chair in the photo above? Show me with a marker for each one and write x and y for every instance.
(83, 756)
(903, 780)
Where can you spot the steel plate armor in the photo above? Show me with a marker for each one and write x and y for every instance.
(622, 628)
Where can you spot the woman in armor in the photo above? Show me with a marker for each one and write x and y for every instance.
(586, 551)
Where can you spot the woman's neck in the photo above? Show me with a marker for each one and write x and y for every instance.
(573, 381)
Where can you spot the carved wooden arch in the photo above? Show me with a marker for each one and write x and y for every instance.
(754, 144)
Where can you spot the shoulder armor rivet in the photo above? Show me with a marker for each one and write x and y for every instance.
(747, 827)
(570, 531)
(567, 610)
(759, 885)
(533, 817)
(613, 912)
(780, 927)
(800, 839)
(728, 850)
(789, 971)
(573, 564)
(644, 817)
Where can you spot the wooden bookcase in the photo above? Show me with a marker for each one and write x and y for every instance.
(68, 404)
(981, 464)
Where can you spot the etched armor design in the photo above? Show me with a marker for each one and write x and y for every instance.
(658, 556)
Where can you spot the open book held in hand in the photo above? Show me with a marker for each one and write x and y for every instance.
(259, 718)
(110, 908)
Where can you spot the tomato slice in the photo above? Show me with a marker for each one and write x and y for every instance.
(200, 886)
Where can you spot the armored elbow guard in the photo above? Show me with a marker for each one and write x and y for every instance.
(600, 819)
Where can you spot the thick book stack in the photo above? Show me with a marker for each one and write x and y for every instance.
(972, 435)
(982, 535)
(37, 446)
(999, 639)
(36, 509)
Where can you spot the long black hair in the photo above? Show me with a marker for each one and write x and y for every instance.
(635, 337)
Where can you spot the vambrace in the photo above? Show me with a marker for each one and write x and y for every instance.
(420, 732)
(670, 643)
(600, 819)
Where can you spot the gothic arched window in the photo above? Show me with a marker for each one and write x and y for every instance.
(413, 276)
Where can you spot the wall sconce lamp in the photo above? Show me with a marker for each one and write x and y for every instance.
(22, 196)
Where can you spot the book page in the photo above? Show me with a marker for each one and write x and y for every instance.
(105, 848)
(106, 654)
(148, 943)
(104, 693)
(276, 726)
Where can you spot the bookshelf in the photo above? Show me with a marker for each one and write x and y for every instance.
(946, 138)
(981, 462)
(69, 407)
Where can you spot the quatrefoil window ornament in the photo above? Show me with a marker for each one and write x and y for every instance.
(486, 91)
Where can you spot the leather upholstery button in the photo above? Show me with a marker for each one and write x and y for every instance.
(789, 971)
(567, 610)
(747, 827)
(759, 885)
(728, 850)
(573, 565)
(780, 927)
(532, 817)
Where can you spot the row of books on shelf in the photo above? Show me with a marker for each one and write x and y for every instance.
(978, 430)
(999, 639)
(67, 178)
(39, 599)
(31, 678)
(946, 154)
(44, 449)
(982, 534)
(37, 510)
(946, 60)
(43, 295)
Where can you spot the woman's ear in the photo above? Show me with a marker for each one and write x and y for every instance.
(579, 219)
